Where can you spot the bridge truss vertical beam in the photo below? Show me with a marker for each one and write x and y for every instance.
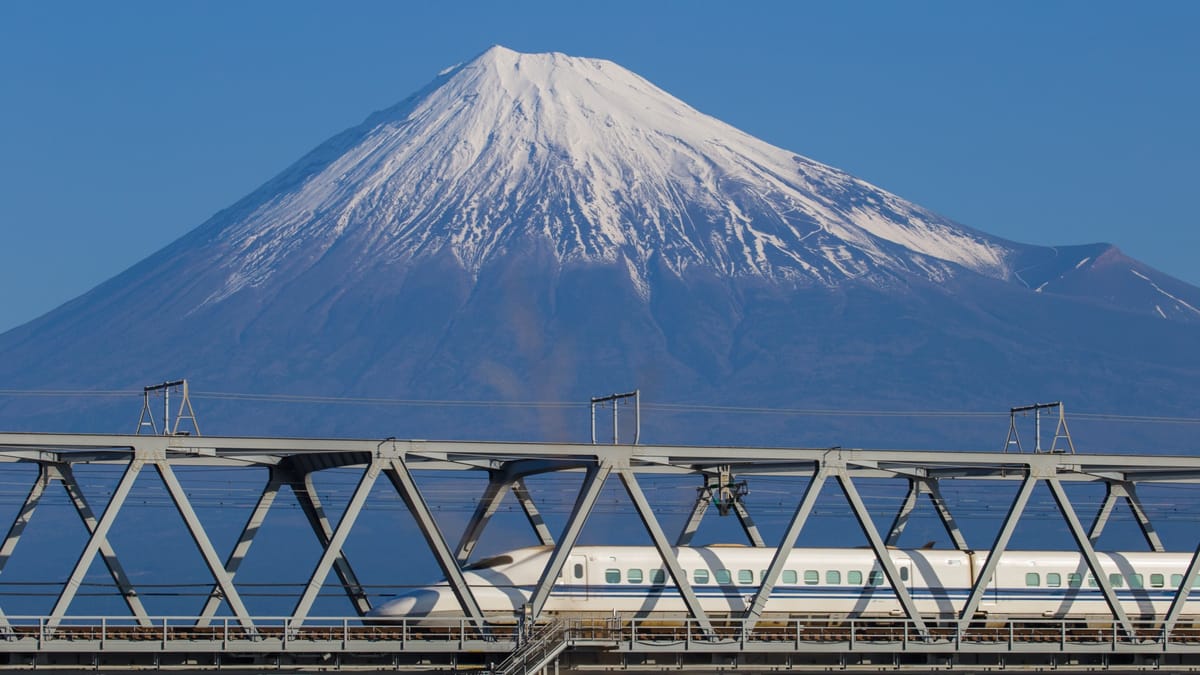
(881, 551)
(589, 493)
(253, 524)
(786, 544)
(1113, 491)
(398, 473)
(1089, 553)
(665, 551)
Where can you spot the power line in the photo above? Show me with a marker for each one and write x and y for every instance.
(109, 393)
(668, 408)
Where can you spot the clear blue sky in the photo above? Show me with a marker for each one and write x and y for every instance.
(124, 125)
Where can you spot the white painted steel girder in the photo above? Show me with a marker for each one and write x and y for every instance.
(509, 463)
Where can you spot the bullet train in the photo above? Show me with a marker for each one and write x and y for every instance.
(835, 583)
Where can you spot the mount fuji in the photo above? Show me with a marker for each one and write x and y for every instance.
(541, 227)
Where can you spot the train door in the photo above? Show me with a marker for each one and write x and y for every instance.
(905, 570)
(575, 575)
(904, 567)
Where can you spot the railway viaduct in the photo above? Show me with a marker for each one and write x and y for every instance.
(226, 635)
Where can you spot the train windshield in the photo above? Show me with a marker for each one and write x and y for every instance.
(486, 563)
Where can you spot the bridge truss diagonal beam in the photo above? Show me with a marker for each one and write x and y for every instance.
(338, 539)
(525, 499)
(66, 476)
(21, 521)
(97, 539)
(1181, 593)
(200, 537)
(493, 495)
(1089, 554)
(926, 486)
(998, 547)
(304, 489)
(748, 526)
(665, 551)
(401, 478)
(249, 531)
(905, 512)
(692, 524)
(1114, 491)
(863, 516)
(703, 500)
(939, 505)
(589, 493)
(786, 544)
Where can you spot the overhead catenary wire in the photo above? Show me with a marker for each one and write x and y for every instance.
(663, 407)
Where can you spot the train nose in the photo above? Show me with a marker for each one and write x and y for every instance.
(417, 603)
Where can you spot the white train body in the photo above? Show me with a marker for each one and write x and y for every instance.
(827, 582)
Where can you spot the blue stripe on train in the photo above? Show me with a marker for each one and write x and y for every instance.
(1084, 594)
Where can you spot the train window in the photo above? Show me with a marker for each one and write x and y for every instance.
(633, 576)
(700, 577)
(658, 576)
(1053, 579)
(1033, 579)
(578, 571)
(833, 577)
(762, 576)
(723, 576)
(612, 576)
(875, 578)
(1074, 580)
(1157, 581)
(1176, 580)
(1135, 581)
(1116, 580)
(1091, 581)
(812, 577)
(745, 576)
(1196, 581)
(789, 576)
(854, 577)
(903, 574)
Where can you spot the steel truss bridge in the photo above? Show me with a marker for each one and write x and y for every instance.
(238, 639)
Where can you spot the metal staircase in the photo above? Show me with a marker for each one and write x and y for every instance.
(538, 649)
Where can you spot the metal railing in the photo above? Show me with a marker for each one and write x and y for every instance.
(30, 634)
(190, 633)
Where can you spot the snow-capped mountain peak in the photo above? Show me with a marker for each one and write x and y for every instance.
(510, 150)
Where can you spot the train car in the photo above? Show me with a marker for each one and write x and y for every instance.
(835, 583)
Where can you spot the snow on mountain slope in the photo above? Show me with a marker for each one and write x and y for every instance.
(599, 164)
(545, 228)
(1101, 273)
